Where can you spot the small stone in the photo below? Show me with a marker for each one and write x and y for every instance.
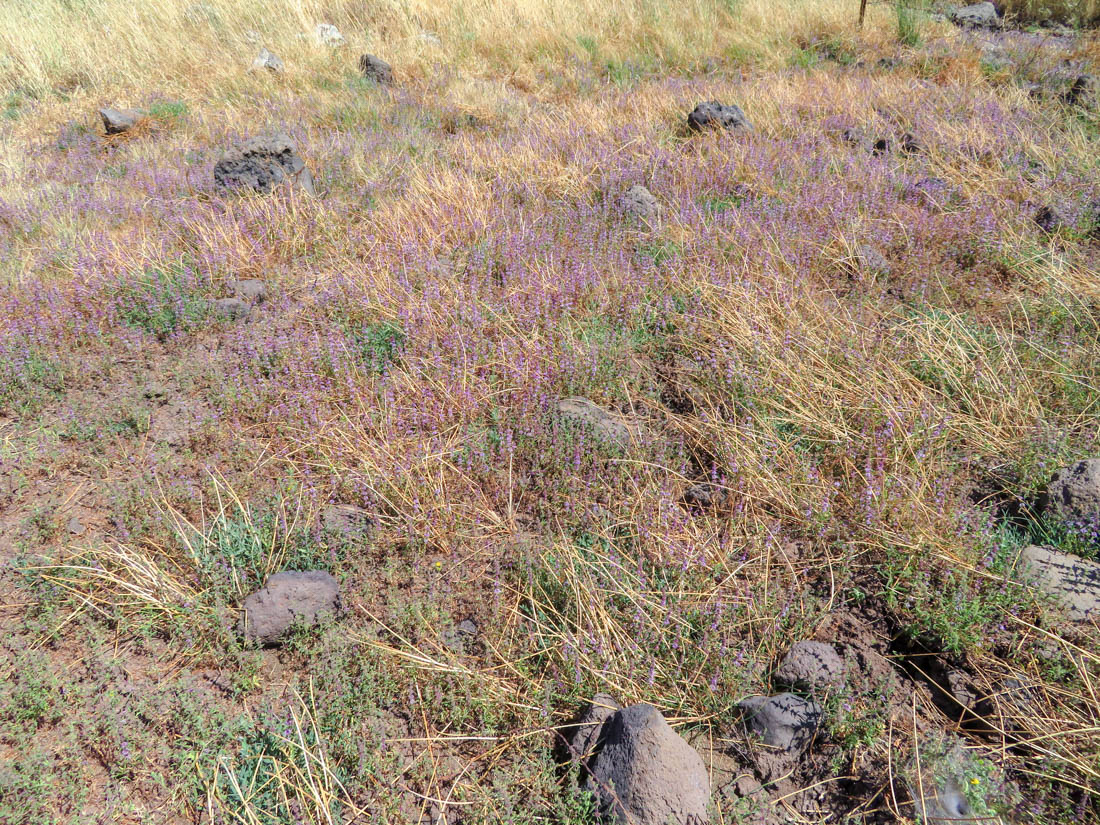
(76, 526)
(287, 599)
(785, 721)
(233, 308)
(810, 665)
(117, 121)
(976, 16)
(1074, 492)
(607, 425)
(346, 520)
(252, 290)
(1079, 89)
(644, 773)
(1073, 581)
(376, 69)
(1048, 219)
(715, 115)
(328, 35)
(704, 496)
(269, 61)
(262, 163)
(467, 628)
(871, 260)
(641, 203)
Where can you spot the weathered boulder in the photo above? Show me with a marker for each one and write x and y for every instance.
(117, 121)
(715, 115)
(606, 424)
(328, 35)
(1074, 492)
(252, 290)
(1073, 581)
(232, 308)
(785, 721)
(268, 61)
(976, 16)
(644, 773)
(287, 599)
(810, 665)
(262, 163)
(639, 202)
(376, 69)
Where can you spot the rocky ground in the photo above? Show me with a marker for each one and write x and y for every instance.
(618, 444)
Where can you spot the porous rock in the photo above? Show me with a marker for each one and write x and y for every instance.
(586, 730)
(269, 61)
(1073, 581)
(608, 425)
(117, 121)
(976, 16)
(809, 665)
(376, 69)
(262, 163)
(644, 773)
(289, 598)
(641, 203)
(784, 721)
(1074, 492)
(715, 115)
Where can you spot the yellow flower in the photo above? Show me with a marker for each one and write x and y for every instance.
(974, 780)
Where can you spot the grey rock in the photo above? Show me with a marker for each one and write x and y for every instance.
(252, 290)
(644, 773)
(607, 425)
(1073, 581)
(785, 721)
(976, 16)
(809, 665)
(268, 61)
(346, 520)
(117, 121)
(587, 729)
(1074, 492)
(456, 638)
(76, 526)
(287, 599)
(376, 69)
(641, 203)
(233, 308)
(328, 35)
(715, 115)
(262, 163)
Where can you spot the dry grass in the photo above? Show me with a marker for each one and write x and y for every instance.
(201, 48)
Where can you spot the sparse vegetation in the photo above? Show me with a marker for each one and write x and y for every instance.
(838, 364)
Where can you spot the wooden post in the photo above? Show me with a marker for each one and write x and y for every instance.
(862, 11)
